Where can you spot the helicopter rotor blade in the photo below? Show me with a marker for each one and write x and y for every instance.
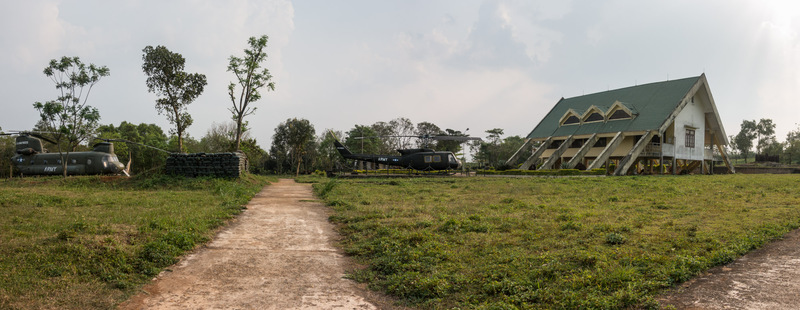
(433, 137)
(454, 138)
(131, 142)
(37, 134)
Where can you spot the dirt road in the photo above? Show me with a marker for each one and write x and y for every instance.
(766, 278)
(278, 254)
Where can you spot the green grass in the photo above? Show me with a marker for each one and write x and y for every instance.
(90, 242)
(531, 243)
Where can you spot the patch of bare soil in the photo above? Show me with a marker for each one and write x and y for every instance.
(767, 278)
(278, 254)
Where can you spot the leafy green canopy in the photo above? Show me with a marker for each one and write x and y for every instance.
(68, 119)
(167, 79)
(292, 145)
(250, 77)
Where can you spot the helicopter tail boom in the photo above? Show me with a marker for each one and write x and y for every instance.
(342, 149)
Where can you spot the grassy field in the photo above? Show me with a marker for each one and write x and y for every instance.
(530, 243)
(90, 242)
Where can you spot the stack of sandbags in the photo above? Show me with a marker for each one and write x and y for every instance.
(223, 165)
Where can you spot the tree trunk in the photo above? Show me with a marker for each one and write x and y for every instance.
(238, 133)
(64, 162)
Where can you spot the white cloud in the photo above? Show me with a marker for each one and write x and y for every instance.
(32, 31)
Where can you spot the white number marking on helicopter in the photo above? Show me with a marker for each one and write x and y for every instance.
(383, 159)
(49, 169)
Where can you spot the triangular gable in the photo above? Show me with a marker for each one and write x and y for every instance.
(713, 121)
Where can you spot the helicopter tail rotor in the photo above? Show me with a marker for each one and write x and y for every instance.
(127, 170)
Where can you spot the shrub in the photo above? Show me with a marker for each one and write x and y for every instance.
(615, 239)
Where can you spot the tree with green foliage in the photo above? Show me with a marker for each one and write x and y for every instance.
(142, 158)
(497, 150)
(250, 77)
(429, 129)
(403, 128)
(68, 118)
(744, 139)
(220, 138)
(382, 132)
(792, 149)
(7, 150)
(328, 158)
(765, 131)
(732, 148)
(256, 156)
(364, 140)
(493, 146)
(176, 88)
(450, 145)
(292, 143)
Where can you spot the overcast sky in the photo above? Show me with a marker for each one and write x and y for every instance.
(477, 64)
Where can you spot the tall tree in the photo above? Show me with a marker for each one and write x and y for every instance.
(733, 148)
(792, 149)
(429, 129)
(250, 77)
(404, 129)
(744, 139)
(363, 139)
(328, 157)
(765, 130)
(167, 79)
(494, 147)
(383, 133)
(293, 140)
(69, 118)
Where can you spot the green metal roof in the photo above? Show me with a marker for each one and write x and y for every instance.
(653, 102)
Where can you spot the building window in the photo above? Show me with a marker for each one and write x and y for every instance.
(572, 120)
(689, 137)
(619, 114)
(595, 117)
(601, 142)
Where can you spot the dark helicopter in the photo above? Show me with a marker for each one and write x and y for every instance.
(423, 159)
(32, 159)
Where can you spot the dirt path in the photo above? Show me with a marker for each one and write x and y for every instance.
(766, 278)
(278, 254)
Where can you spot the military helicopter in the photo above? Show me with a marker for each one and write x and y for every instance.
(423, 159)
(32, 159)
